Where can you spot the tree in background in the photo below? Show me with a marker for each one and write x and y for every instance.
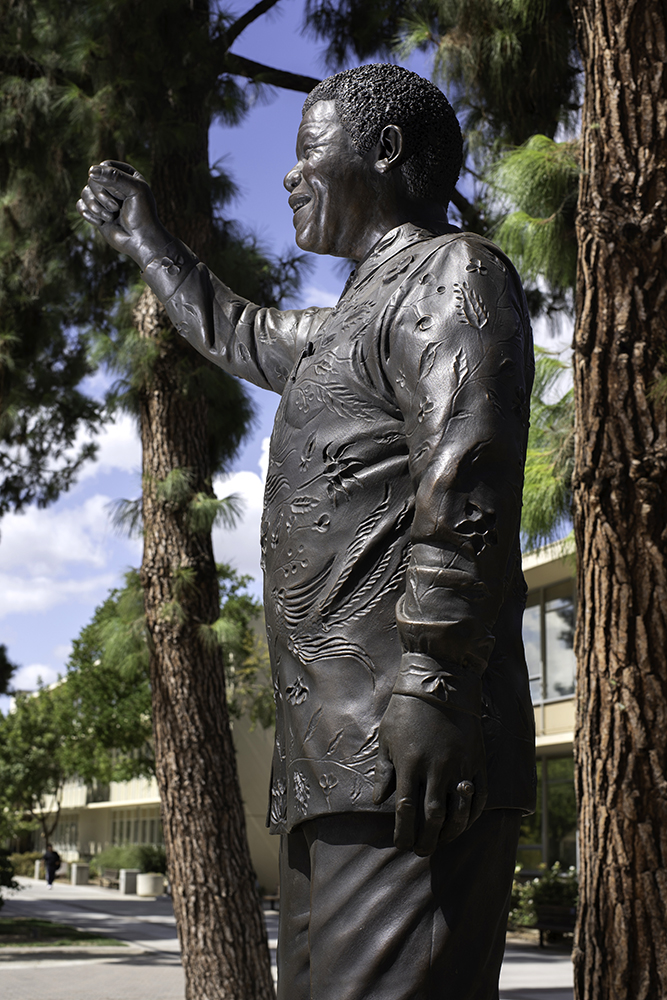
(108, 718)
(7, 668)
(32, 770)
(144, 83)
(94, 724)
(43, 357)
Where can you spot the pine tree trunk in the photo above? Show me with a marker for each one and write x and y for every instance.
(220, 926)
(620, 503)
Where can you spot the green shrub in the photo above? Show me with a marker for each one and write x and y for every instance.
(24, 864)
(145, 857)
(7, 873)
(554, 887)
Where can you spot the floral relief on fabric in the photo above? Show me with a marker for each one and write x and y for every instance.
(301, 791)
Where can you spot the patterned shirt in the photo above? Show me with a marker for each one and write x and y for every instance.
(390, 535)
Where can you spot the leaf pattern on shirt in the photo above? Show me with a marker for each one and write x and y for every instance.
(321, 647)
(427, 359)
(361, 600)
(274, 484)
(334, 741)
(312, 725)
(327, 783)
(350, 560)
(301, 791)
(470, 307)
(294, 603)
(460, 366)
(366, 752)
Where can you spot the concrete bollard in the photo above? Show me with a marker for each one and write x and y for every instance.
(38, 868)
(127, 881)
(79, 874)
(150, 884)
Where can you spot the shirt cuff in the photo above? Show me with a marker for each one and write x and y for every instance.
(446, 686)
(169, 269)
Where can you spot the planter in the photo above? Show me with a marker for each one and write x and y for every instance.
(150, 884)
(127, 881)
(79, 874)
(556, 918)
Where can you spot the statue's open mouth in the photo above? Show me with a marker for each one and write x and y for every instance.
(297, 202)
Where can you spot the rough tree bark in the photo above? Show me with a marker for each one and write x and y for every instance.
(220, 926)
(620, 503)
(218, 913)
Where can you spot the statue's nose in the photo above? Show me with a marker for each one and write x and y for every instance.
(291, 179)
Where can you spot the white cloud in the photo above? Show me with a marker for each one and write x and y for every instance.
(119, 449)
(264, 458)
(43, 542)
(28, 678)
(36, 594)
(312, 296)
(240, 546)
(62, 652)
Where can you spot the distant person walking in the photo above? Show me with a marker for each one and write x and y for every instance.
(51, 860)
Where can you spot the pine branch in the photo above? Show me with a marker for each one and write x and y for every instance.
(258, 73)
(468, 212)
(241, 23)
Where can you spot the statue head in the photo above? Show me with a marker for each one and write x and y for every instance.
(368, 98)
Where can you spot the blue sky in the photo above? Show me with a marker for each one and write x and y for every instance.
(58, 564)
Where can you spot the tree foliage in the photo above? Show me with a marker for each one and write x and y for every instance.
(43, 260)
(538, 182)
(7, 668)
(32, 769)
(95, 725)
(547, 496)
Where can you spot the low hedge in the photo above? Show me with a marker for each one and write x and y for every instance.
(24, 864)
(145, 857)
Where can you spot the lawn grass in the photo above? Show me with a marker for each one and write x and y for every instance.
(38, 933)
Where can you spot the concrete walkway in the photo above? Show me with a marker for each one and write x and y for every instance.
(149, 968)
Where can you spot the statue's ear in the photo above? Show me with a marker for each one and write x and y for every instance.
(390, 152)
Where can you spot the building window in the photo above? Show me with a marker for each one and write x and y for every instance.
(136, 826)
(550, 834)
(65, 837)
(548, 635)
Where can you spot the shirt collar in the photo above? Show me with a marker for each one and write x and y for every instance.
(392, 243)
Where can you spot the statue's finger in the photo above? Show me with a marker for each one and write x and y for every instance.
(92, 217)
(385, 780)
(97, 218)
(479, 798)
(117, 182)
(435, 814)
(100, 194)
(96, 207)
(458, 815)
(125, 168)
(406, 815)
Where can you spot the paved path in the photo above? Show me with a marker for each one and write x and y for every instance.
(150, 969)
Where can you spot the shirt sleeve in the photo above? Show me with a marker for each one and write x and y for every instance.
(255, 343)
(458, 352)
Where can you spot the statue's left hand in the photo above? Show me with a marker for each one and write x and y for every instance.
(425, 753)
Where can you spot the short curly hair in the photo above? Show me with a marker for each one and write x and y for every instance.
(369, 97)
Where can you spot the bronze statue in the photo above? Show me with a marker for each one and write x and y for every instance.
(390, 540)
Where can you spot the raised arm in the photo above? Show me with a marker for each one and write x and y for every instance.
(258, 344)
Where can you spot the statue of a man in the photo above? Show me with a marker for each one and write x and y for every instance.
(390, 539)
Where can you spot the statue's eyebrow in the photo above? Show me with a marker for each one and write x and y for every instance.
(310, 131)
